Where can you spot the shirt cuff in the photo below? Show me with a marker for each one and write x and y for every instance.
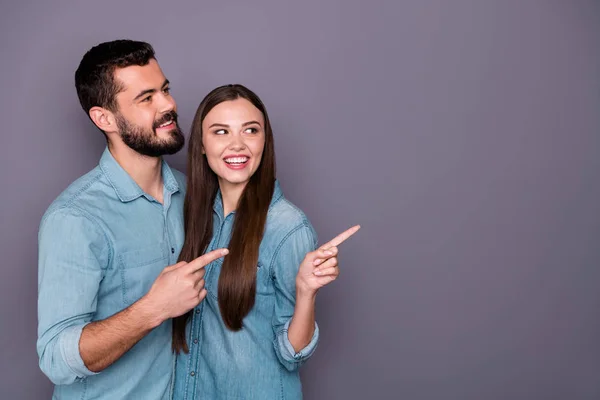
(69, 348)
(287, 350)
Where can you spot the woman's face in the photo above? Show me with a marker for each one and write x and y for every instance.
(233, 139)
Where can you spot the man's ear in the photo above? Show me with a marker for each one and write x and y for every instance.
(104, 119)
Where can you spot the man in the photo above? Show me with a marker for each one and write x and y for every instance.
(105, 297)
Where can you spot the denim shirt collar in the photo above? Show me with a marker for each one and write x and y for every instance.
(124, 185)
(218, 204)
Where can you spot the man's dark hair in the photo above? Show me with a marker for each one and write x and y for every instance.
(94, 79)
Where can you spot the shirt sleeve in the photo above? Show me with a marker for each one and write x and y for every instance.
(73, 253)
(285, 265)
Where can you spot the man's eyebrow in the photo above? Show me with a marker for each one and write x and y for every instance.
(150, 91)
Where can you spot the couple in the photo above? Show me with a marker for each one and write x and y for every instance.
(156, 286)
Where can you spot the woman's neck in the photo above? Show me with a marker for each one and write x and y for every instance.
(230, 194)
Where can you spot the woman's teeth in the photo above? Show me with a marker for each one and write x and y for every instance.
(236, 160)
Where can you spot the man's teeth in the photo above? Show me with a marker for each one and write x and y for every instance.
(165, 124)
(236, 160)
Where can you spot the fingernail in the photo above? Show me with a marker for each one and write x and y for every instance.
(328, 253)
(225, 251)
(317, 261)
(317, 272)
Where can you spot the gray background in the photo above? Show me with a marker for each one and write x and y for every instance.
(463, 135)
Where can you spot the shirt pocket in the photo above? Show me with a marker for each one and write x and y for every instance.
(264, 283)
(139, 269)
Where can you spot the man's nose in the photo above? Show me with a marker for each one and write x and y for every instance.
(167, 103)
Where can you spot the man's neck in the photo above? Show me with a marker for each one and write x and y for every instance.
(145, 171)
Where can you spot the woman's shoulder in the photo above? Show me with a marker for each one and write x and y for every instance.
(285, 218)
(287, 228)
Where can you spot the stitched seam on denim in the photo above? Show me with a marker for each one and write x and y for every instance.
(143, 263)
(70, 204)
(63, 354)
(180, 179)
(171, 184)
(74, 197)
(304, 223)
(212, 295)
(186, 381)
(297, 355)
(123, 268)
(275, 200)
(280, 357)
(90, 218)
(83, 189)
(281, 380)
(172, 382)
(123, 291)
(210, 270)
(293, 207)
(284, 332)
(211, 247)
(197, 377)
(99, 227)
(84, 389)
(196, 353)
(191, 358)
(111, 181)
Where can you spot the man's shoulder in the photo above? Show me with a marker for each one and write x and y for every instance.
(81, 195)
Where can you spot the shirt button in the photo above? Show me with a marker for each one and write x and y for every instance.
(195, 341)
(197, 311)
(172, 250)
(192, 373)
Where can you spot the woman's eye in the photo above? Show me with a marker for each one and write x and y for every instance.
(251, 130)
(220, 132)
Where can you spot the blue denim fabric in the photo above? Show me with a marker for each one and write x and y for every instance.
(102, 243)
(257, 362)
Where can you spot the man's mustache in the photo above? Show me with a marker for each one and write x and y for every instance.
(170, 116)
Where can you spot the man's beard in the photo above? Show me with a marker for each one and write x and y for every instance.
(146, 142)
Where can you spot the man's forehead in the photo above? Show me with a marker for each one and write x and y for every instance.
(140, 77)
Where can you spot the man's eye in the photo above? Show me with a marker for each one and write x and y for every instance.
(167, 90)
(146, 99)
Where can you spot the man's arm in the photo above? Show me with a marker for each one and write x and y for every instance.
(73, 254)
(104, 342)
(178, 289)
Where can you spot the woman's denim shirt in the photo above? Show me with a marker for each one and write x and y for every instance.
(257, 362)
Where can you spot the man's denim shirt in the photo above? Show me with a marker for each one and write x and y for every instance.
(257, 362)
(102, 243)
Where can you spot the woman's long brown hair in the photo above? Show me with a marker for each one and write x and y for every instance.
(237, 281)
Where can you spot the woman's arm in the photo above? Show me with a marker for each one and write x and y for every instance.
(299, 272)
(319, 268)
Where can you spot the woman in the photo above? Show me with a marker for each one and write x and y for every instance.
(256, 325)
